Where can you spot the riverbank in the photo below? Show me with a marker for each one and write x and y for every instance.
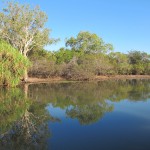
(96, 78)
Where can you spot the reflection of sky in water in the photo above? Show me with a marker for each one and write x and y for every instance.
(138, 108)
(127, 127)
(56, 112)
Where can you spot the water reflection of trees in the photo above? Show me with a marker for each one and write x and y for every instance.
(23, 117)
(22, 126)
(132, 90)
(89, 100)
(12, 107)
(87, 114)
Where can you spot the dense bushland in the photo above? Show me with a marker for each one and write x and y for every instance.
(76, 63)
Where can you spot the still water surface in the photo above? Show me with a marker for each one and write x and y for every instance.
(106, 115)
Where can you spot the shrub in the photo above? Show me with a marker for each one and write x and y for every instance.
(12, 65)
(74, 71)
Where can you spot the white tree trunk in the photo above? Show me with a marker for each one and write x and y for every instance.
(25, 77)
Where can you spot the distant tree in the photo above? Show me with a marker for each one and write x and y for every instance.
(98, 64)
(136, 57)
(64, 55)
(23, 27)
(120, 62)
(140, 62)
(88, 43)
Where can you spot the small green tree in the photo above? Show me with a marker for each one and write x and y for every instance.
(12, 65)
(65, 55)
(23, 27)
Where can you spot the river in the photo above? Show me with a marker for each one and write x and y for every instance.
(106, 115)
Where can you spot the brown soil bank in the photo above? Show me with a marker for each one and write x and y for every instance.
(96, 78)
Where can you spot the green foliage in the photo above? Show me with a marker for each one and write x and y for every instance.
(86, 66)
(140, 62)
(77, 65)
(65, 55)
(98, 64)
(41, 54)
(12, 65)
(120, 63)
(23, 27)
(136, 57)
(88, 43)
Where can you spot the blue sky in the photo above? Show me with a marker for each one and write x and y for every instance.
(123, 23)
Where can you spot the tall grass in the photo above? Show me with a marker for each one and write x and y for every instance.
(12, 65)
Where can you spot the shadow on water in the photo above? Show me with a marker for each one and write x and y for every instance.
(24, 118)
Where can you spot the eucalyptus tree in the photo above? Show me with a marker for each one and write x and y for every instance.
(89, 43)
(24, 28)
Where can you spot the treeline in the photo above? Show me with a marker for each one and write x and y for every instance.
(23, 35)
(87, 56)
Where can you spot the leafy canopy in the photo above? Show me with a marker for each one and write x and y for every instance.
(136, 57)
(89, 43)
(23, 27)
